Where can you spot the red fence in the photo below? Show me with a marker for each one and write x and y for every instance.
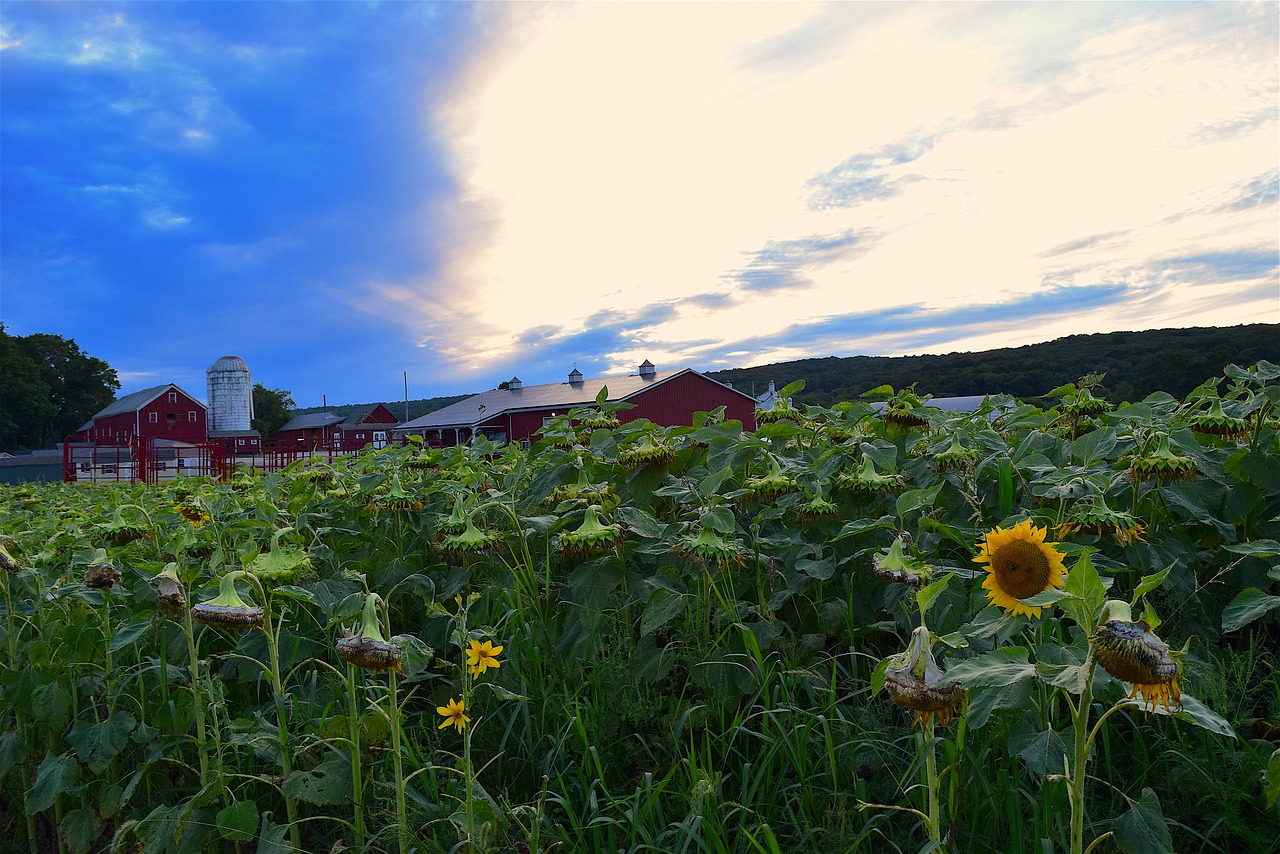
(151, 461)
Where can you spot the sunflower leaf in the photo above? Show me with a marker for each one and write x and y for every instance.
(1271, 781)
(996, 669)
(1250, 605)
(1087, 591)
(1151, 582)
(1143, 827)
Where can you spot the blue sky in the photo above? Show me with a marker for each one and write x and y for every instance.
(342, 193)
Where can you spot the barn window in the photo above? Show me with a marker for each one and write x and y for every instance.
(191, 416)
(239, 441)
(173, 397)
(359, 435)
(153, 417)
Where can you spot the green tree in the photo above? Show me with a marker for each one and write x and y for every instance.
(272, 409)
(76, 384)
(24, 397)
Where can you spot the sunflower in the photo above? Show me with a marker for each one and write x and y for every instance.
(592, 535)
(369, 649)
(1095, 517)
(192, 514)
(914, 679)
(169, 593)
(228, 610)
(101, 576)
(482, 656)
(1215, 422)
(1129, 651)
(453, 715)
(1020, 564)
(1162, 464)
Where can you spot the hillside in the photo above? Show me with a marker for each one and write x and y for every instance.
(1135, 363)
(417, 407)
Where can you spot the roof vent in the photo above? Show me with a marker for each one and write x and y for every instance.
(646, 368)
(575, 376)
(514, 384)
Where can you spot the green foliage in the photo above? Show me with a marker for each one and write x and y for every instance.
(272, 409)
(711, 675)
(48, 388)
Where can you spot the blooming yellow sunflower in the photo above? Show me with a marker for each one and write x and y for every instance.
(453, 715)
(482, 656)
(1020, 564)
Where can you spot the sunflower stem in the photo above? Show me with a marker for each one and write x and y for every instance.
(1076, 778)
(930, 746)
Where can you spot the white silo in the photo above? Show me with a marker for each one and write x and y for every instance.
(230, 395)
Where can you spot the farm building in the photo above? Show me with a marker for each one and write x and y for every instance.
(340, 432)
(159, 412)
(518, 412)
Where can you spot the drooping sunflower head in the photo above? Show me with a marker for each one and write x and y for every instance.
(913, 679)
(1215, 422)
(1019, 565)
(1097, 518)
(1162, 464)
(1129, 651)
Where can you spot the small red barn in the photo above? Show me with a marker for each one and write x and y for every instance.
(340, 432)
(518, 412)
(159, 412)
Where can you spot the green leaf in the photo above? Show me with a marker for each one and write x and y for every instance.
(877, 675)
(915, 499)
(927, 595)
(12, 751)
(662, 606)
(997, 669)
(1006, 487)
(238, 822)
(1193, 711)
(1255, 548)
(1271, 780)
(1251, 604)
(1052, 596)
(272, 839)
(1092, 448)
(1042, 752)
(984, 701)
(98, 743)
(1084, 584)
(79, 828)
(1151, 582)
(49, 704)
(1143, 827)
(819, 569)
(329, 783)
(129, 634)
(54, 776)
(292, 591)
(640, 522)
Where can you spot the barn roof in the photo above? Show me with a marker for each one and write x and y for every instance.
(562, 395)
(137, 400)
(312, 420)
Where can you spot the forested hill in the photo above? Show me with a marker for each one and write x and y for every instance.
(1135, 363)
(417, 407)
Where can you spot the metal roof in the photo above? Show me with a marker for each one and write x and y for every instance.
(311, 421)
(137, 400)
(563, 395)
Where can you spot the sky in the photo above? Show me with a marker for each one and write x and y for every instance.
(352, 195)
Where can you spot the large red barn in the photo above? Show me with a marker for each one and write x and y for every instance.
(159, 412)
(518, 412)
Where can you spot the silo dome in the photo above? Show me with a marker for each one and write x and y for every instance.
(230, 395)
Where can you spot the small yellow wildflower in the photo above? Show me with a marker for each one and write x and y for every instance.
(482, 656)
(453, 715)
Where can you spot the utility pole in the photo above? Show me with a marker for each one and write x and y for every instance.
(406, 395)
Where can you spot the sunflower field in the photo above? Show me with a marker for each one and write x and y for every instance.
(872, 627)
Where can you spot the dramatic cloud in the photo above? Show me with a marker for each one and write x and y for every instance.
(344, 193)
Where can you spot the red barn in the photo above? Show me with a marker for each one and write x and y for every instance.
(517, 413)
(159, 412)
(340, 432)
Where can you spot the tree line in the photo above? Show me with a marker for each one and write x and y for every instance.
(48, 388)
(1135, 364)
